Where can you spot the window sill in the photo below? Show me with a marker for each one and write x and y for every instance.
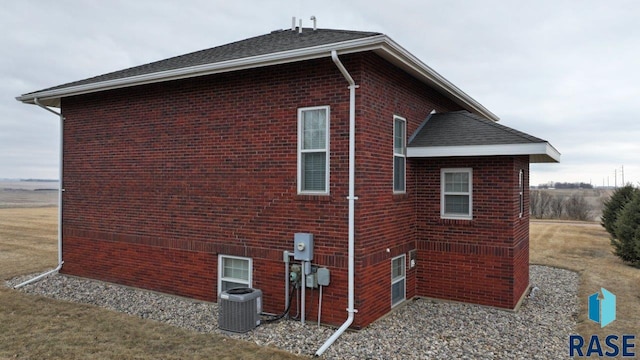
(313, 197)
(456, 221)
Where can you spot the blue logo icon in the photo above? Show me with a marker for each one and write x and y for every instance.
(602, 309)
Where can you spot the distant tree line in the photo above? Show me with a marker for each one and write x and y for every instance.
(545, 205)
(566, 185)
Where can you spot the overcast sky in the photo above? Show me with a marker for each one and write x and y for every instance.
(564, 71)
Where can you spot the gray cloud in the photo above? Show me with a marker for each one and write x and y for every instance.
(563, 71)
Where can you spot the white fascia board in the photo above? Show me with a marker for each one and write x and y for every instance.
(381, 44)
(548, 152)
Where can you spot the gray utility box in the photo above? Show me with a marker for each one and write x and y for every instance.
(239, 309)
(303, 246)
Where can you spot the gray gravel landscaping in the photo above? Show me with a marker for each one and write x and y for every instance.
(421, 329)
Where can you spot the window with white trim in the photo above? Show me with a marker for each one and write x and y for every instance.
(234, 272)
(521, 188)
(398, 279)
(457, 193)
(313, 150)
(399, 154)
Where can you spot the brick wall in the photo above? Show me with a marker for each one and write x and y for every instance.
(484, 260)
(160, 179)
(386, 220)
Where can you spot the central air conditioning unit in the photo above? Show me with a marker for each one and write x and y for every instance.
(239, 309)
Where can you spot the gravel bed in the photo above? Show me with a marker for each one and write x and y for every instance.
(421, 329)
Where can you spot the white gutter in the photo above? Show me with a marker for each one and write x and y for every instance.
(60, 190)
(352, 198)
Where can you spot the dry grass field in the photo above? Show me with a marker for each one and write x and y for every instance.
(34, 327)
(585, 248)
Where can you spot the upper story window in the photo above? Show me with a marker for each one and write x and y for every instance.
(399, 154)
(313, 150)
(457, 193)
(521, 189)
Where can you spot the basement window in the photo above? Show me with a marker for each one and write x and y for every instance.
(234, 272)
(456, 188)
(313, 150)
(398, 279)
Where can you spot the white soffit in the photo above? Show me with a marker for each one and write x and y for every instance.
(538, 152)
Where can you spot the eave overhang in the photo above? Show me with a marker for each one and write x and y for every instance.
(537, 152)
(382, 45)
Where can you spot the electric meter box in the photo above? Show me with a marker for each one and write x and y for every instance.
(303, 246)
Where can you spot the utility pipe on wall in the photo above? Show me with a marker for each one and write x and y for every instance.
(60, 190)
(352, 198)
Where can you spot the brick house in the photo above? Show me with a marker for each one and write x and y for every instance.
(191, 175)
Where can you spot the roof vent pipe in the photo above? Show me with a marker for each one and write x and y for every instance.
(313, 18)
(293, 23)
(300, 27)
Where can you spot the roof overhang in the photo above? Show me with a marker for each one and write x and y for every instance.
(538, 152)
(380, 44)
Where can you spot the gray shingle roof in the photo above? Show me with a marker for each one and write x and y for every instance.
(274, 42)
(462, 128)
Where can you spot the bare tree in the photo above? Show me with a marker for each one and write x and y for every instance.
(540, 202)
(534, 203)
(577, 208)
(557, 206)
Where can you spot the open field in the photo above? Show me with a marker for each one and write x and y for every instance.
(28, 193)
(33, 327)
(584, 247)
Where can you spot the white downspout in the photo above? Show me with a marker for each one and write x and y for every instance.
(352, 198)
(60, 190)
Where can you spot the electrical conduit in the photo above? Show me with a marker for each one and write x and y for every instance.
(60, 190)
(352, 198)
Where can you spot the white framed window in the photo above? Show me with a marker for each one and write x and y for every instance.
(457, 193)
(234, 272)
(313, 150)
(398, 280)
(521, 190)
(399, 154)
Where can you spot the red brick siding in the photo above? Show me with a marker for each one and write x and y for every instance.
(205, 165)
(162, 178)
(484, 260)
(384, 220)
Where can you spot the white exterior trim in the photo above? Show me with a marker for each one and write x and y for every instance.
(327, 178)
(380, 44)
(544, 152)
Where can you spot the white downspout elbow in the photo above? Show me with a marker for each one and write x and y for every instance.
(60, 190)
(352, 198)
